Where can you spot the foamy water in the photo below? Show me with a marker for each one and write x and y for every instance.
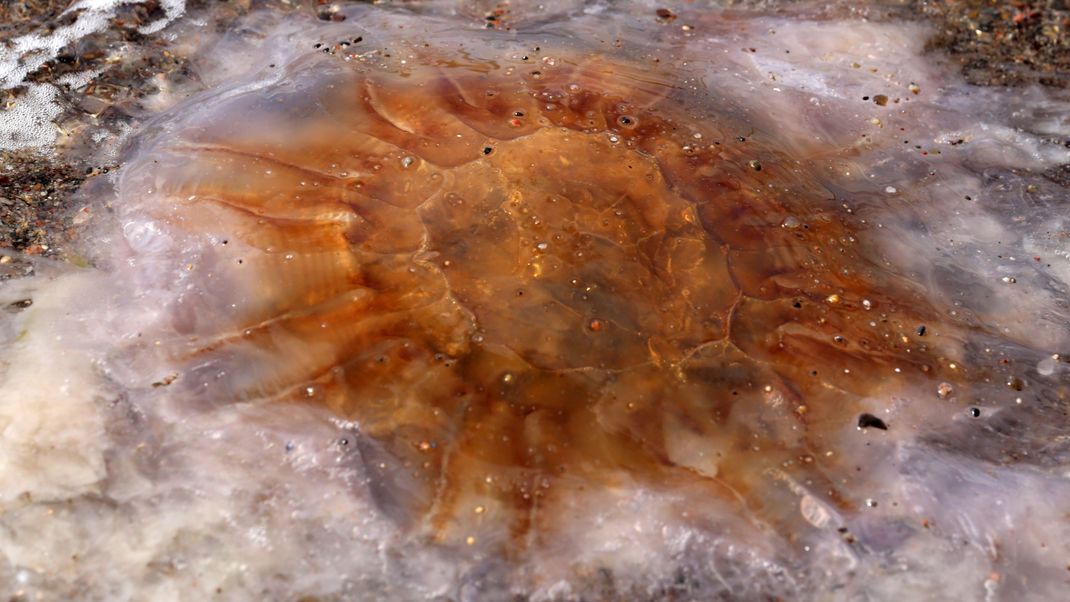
(904, 437)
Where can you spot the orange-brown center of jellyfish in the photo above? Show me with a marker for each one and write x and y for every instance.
(522, 284)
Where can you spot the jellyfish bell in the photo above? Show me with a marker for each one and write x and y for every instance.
(527, 279)
(570, 314)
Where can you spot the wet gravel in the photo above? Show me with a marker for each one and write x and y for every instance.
(1005, 43)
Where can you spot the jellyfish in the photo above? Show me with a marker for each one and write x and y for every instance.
(532, 281)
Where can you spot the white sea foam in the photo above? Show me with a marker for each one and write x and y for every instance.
(27, 121)
(27, 124)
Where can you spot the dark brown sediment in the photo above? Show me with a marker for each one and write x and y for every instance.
(33, 197)
(20, 17)
(1004, 43)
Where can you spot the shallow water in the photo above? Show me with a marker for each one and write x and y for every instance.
(581, 301)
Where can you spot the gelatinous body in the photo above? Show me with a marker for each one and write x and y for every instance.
(606, 301)
(524, 280)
